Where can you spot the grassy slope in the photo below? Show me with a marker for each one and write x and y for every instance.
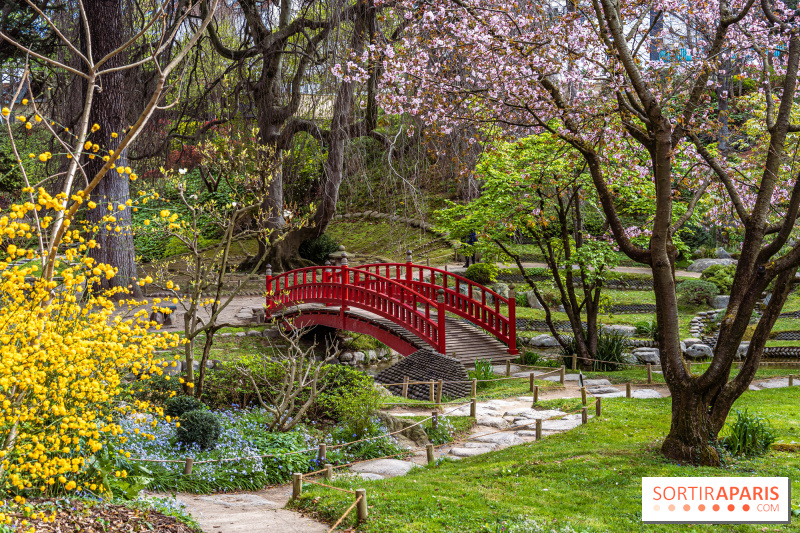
(589, 477)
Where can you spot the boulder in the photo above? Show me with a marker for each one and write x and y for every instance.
(720, 302)
(701, 264)
(691, 341)
(414, 433)
(240, 334)
(544, 341)
(501, 289)
(722, 253)
(644, 394)
(253, 333)
(648, 355)
(628, 331)
(741, 352)
(346, 357)
(533, 302)
(271, 333)
(384, 467)
(699, 351)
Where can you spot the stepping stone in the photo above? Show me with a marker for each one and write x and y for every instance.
(534, 414)
(384, 467)
(775, 383)
(754, 387)
(526, 399)
(644, 394)
(601, 390)
(568, 377)
(480, 445)
(500, 439)
(469, 452)
(499, 404)
(525, 433)
(369, 476)
(496, 422)
(561, 425)
(596, 383)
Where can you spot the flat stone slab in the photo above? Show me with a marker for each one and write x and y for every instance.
(601, 390)
(645, 394)
(596, 383)
(568, 377)
(496, 422)
(561, 425)
(618, 394)
(778, 383)
(479, 445)
(470, 452)
(369, 476)
(526, 433)
(384, 467)
(500, 439)
(239, 500)
(754, 387)
(534, 414)
(499, 404)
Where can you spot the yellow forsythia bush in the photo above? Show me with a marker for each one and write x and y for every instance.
(65, 356)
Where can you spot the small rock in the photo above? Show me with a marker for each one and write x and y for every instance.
(533, 302)
(691, 341)
(602, 390)
(346, 357)
(493, 422)
(240, 334)
(384, 467)
(226, 334)
(253, 333)
(722, 253)
(501, 289)
(648, 355)
(271, 333)
(596, 383)
(741, 352)
(699, 351)
(358, 357)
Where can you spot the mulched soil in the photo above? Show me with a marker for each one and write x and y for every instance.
(103, 518)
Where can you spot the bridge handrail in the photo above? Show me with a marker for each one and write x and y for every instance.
(482, 314)
(344, 286)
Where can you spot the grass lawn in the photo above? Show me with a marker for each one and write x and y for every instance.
(588, 478)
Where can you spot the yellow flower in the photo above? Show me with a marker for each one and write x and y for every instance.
(38, 118)
(32, 156)
(92, 205)
(43, 158)
(24, 101)
(28, 126)
(87, 145)
(114, 135)
(95, 127)
(120, 170)
(6, 111)
(21, 118)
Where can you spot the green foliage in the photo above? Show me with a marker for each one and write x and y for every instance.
(346, 394)
(647, 328)
(10, 175)
(483, 372)
(696, 292)
(721, 276)
(199, 427)
(569, 350)
(483, 273)
(521, 299)
(175, 407)
(318, 249)
(103, 465)
(175, 246)
(610, 347)
(749, 435)
(531, 359)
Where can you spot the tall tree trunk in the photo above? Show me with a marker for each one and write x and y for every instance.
(108, 111)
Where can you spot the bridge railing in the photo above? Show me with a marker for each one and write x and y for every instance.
(343, 286)
(461, 296)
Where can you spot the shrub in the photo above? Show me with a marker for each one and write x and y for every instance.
(610, 347)
(531, 359)
(483, 273)
(569, 351)
(199, 427)
(721, 276)
(176, 406)
(317, 250)
(696, 292)
(748, 435)
(648, 329)
(157, 389)
(484, 371)
(522, 299)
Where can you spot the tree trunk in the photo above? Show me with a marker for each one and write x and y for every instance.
(108, 111)
(692, 433)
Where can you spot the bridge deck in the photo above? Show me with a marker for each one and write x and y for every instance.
(465, 342)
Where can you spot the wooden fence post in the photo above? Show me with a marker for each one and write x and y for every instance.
(432, 391)
(361, 507)
(187, 466)
(474, 387)
(536, 394)
(473, 408)
(649, 373)
(583, 396)
(533, 381)
(562, 376)
(574, 361)
(429, 450)
(584, 416)
(297, 485)
(627, 390)
(405, 387)
(323, 453)
(328, 472)
(538, 429)
(508, 367)
(435, 419)
(439, 392)
(791, 380)
(598, 407)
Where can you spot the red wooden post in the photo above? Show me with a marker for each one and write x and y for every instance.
(408, 265)
(512, 326)
(344, 280)
(440, 318)
(269, 287)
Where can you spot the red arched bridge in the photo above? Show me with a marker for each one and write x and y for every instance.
(404, 305)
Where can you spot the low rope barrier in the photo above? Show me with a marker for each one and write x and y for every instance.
(349, 509)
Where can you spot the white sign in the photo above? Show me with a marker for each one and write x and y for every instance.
(716, 500)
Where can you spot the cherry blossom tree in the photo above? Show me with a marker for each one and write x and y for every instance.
(587, 73)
